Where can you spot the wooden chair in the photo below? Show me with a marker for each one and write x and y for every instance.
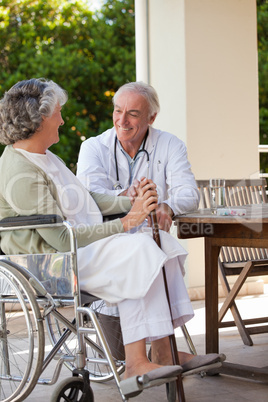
(240, 261)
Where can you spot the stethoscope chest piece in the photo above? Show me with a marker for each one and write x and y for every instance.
(117, 186)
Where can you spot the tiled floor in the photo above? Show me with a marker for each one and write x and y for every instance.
(219, 388)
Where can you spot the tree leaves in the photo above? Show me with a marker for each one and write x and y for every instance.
(262, 15)
(88, 54)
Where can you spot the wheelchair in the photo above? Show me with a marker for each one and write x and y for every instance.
(39, 296)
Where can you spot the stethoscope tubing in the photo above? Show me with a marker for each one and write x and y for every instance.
(117, 185)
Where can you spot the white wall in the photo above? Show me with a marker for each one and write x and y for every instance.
(203, 64)
(167, 64)
(222, 87)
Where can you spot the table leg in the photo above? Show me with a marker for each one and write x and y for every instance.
(211, 295)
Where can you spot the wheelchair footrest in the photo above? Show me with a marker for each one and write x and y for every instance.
(133, 386)
(203, 369)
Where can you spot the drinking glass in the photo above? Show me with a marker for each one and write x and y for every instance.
(217, 194)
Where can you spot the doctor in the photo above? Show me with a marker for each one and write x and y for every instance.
(115, 161)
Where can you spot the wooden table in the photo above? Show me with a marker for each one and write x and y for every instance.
(250, 230)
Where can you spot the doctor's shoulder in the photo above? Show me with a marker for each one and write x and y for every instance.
(95, 144)
(170, 141)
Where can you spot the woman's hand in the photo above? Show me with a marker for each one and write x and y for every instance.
(144, 203)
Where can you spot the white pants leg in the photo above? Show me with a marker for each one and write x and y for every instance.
(149, 317)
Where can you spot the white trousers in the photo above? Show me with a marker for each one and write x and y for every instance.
(126, 269)
(149, 317)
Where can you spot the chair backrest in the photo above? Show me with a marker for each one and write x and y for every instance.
(237, 193)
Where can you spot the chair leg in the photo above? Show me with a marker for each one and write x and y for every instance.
(188, 340)
(230, 303)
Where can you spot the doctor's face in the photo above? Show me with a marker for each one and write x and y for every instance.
(131, 121)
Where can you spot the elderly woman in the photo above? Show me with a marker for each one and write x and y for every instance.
(114, 265)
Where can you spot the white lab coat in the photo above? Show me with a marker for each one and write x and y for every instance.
(169, 168)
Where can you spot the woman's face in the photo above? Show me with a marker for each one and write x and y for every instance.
(50, 126)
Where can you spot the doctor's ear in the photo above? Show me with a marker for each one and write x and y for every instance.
(152, 118)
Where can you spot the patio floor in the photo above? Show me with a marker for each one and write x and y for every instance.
(218, 388)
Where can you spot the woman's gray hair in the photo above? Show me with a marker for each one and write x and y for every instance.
(23, 107)
(146, 90)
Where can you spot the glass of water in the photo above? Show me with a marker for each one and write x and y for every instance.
(217, 194)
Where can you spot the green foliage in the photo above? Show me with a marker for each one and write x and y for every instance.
(262, 15)
(88, 54)
(262, 7)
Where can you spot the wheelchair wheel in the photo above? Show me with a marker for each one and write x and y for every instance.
(71, 389)
(98, 371)
(21, 336)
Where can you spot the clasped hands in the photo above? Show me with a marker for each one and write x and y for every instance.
(143, 194)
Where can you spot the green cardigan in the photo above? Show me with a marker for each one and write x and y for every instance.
(25, 189)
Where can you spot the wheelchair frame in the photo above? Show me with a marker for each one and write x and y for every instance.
(33, 287)
(36, 295)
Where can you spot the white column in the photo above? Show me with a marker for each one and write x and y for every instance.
(141, 37)
(204, 65)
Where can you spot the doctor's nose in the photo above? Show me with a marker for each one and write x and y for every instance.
(123, 118)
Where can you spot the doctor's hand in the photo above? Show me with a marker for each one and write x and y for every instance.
(145, 202)
(164, 217)
(132, 191)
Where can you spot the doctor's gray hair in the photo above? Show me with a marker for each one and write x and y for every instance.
(24, 105)
(146, 90)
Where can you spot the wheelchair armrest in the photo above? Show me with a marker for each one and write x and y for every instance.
(111, 217)
(30, 220)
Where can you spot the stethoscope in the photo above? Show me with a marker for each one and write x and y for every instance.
(117, 185)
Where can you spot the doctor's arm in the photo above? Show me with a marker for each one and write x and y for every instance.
(183, 194)
(180, 187)
(164, 216)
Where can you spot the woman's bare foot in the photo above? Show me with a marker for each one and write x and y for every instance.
(139, 368)
(165, 359)
(185, 357)
(161, 353)
(137, 362)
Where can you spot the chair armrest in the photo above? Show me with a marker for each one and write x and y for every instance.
(30, 220)
(111, 217)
